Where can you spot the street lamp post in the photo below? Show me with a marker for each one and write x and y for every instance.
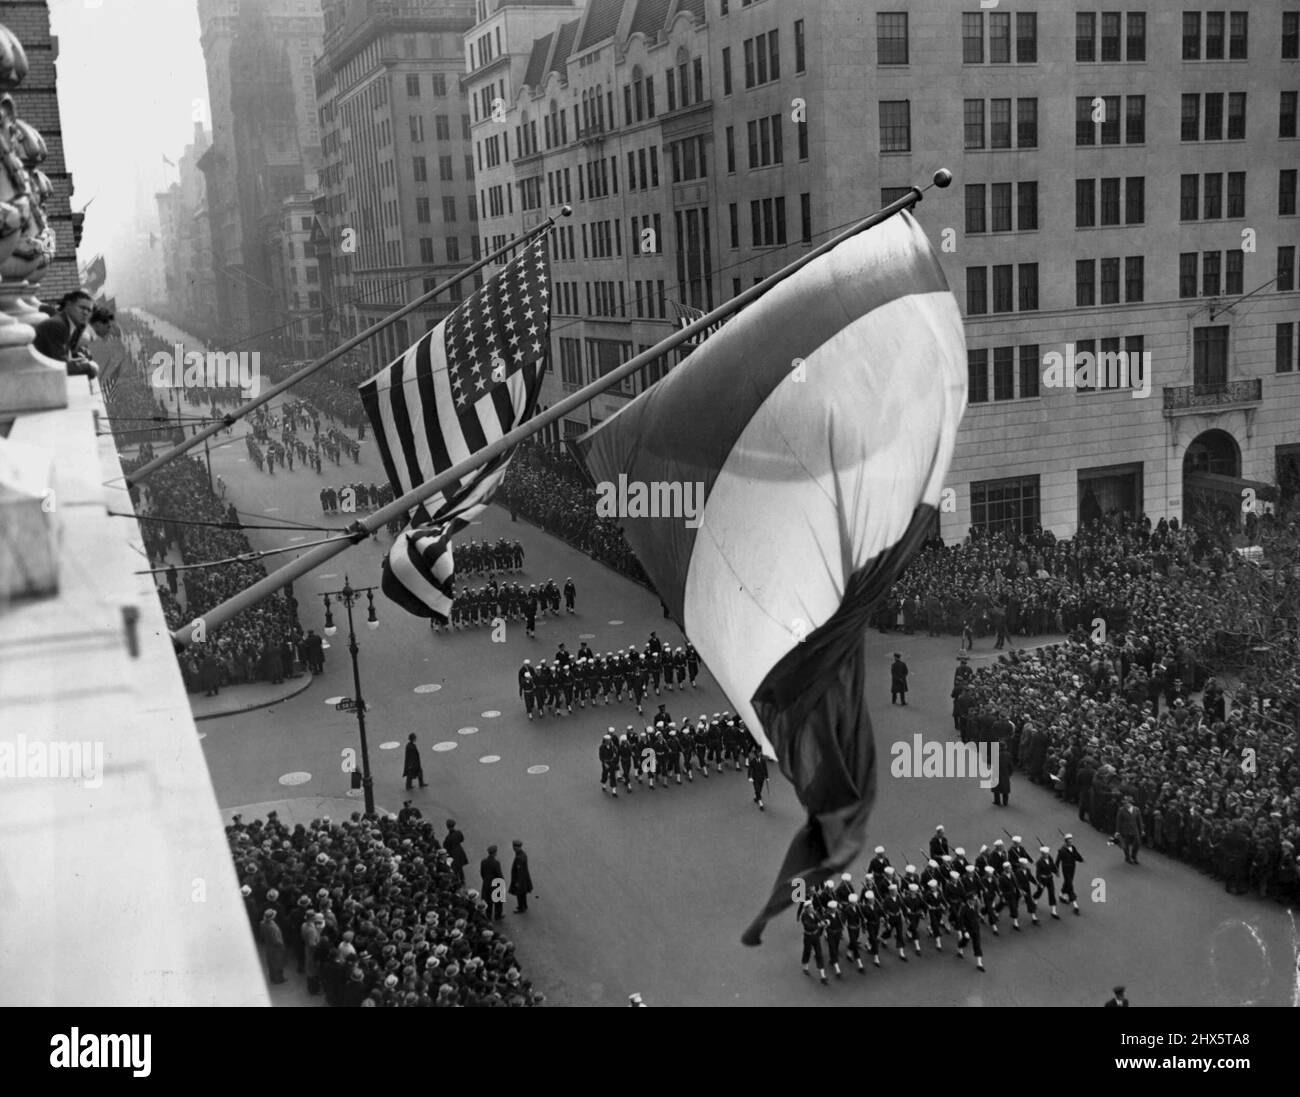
(348, 596)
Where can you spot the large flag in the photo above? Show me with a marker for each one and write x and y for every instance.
(812, 434)
(465, 384)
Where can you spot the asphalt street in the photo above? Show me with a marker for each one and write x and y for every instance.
(651, 892)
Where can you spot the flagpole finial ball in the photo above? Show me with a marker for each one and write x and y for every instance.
(566, 211)
(942, 177)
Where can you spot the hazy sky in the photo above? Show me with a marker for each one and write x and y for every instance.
(129, 73)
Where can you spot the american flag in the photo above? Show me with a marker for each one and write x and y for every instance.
(461, 387)
(687, 315)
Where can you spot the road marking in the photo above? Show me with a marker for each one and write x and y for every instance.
(586, 636)
(297, 778)
(538, 769)
(443, 747)
(488, 759)
(392, 744)
(432, 687)
(333, 700)
(616, 622)
(467, 731)
(491, 714)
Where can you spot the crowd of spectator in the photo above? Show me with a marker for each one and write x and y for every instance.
(550, 491)
(1152, 616)
(376, 912)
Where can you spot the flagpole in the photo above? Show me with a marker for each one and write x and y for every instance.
(361, 529)
(233, 417)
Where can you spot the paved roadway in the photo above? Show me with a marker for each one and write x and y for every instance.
(650, 892)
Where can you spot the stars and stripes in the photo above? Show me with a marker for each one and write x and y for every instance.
(686, 315)
(461, 387)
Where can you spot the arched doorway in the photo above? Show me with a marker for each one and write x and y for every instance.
(1211, 474)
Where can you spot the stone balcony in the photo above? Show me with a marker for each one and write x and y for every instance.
(1209, 398)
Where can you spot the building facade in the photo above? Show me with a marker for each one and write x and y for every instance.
(37, 101)
(185, 240)
(1124, 202)
(398, 206)
(266, 140)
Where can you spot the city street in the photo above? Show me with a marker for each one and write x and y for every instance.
(651, 892)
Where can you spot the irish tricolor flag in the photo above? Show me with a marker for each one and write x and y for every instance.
(816, 427)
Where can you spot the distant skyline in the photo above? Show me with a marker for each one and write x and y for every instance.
(129, 75)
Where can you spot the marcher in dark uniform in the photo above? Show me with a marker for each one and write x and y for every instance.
(528, 686)
(851, 914)
(892, 905)
(811, 921)
(833, 923)
(758, 776)
(692, 663)
(608, 754)
(686, 741)
(1045, 870)
(1024, 874)
(914, 908)
(413, 769)
(1067, 857)
(935, 909)
(626, 753)
(1009, 889)
(970, 929)
(570, 594)
(938, 844)
(898, 680)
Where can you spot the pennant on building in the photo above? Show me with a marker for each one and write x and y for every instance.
(96, 274)
(810, 436)
(461, 387)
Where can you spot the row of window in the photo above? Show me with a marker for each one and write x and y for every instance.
(767, 221)
(1209, 265)
(437, 80)
(648, 300)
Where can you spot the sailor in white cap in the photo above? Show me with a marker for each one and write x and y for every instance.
(938, 844)
(1066, 859)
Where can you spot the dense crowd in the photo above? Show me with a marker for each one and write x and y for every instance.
(375, 911)
(1111, 712)
(549, 491)
(259, 644)
(602, 679)
(333, 389)
(950, 895)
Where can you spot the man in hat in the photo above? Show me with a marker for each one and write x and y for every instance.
(1128, 830)
(758, 775)
(413, 770)
(1045, 870)
(521, 880)
(273, 940)
(454, 844)
(1118, 999)
(493, 879)
(898, 680)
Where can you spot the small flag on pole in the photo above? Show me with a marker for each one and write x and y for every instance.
(461, 387)
(686, 315)
(812, 435)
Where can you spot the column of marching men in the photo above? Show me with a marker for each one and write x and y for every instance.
(950, 895)
(497, 602)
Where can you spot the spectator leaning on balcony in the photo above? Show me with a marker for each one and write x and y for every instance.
(58, 336)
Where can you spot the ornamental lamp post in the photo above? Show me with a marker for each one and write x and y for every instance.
(349, 596)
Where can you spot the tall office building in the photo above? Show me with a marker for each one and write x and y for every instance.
(265, 147)
(1125, 184)
(398, 213)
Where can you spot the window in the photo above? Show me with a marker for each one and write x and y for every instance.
(1028, 370)
(895, 125)
(1137, 36)
(726, 81)
(420, 169)
(1110, 30)
(1236, 116)
(426, 249)
(1007, 506)
(1004, 375)
(1003, 288)
(1110, 201)
(891, 38)
(417, 128)
(764, 142)
(1213, 196)
(1214, 36)
(974, 118)
(453, 249)
(1236, 194)
(1286, 191)
(977, 377)
(422, 211)
(801, 128)
(441, 127)
(1290, 35)
(1135, 119)
(1110, 119)
(1211, 263)
(1085, 283)
(1027, 123)
(1026, 206)
(449, 209)
(972, 38)
(1026, 37)
(1085, 203)
(977, 297)
(1085, 132)
(1187, 274)
(1285, 269)
(1134, 278)
(1000, 38)
(1234, 270)
(798, 46)
(1000, 219)
(731, 150)
(1028, 275)
(1214, 116)
(1189, 203)
(1191, 118)
(1237, 26)
(1210, 355)
(1135, 200)
(805, 219)
(445, 169)
(1085, 36)
(1284, 360)
(413, 85)
(1000, 123)
(975, 222)
(1286, 114)
(1191, 36)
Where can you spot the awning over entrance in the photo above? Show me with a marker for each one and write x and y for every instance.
(1228, 485)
